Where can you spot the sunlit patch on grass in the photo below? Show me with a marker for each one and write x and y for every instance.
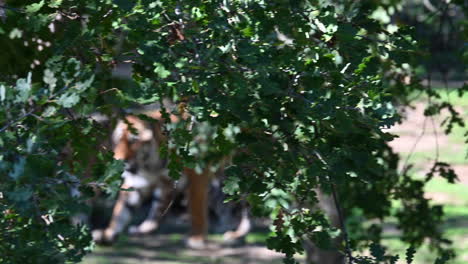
(257, 238)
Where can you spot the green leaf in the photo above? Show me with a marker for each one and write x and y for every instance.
(33, 8)
(346, 32)
(68, 100)
(81, 86)
(113, 171)
(410, 255)
(15, 33)
(23, 86)
(49, 79)
(247, 32)
(231, 185)
(2, 92)
(197, 13)
(320, 26)
(49, 111)
(443, 259)
(126, 5)
(55, 3)
(18, 169)
(227, 48)
(21, 194)
(377, 251)
(161, 71)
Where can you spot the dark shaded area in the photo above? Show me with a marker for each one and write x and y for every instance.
(167, 246)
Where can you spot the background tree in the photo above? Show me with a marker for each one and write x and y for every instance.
(299, 90)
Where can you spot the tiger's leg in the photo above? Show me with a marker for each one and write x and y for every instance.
(198, 207)
(242, 229)
(232, 216)
(162, 197)
(120, 217)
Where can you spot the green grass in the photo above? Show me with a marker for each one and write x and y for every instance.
(424, 255)
(175, 237)
(452, 211)
(455, 210)
(449, 95)
(457, 135)
(457, 190)
(452, 97)
(420, 159)
(455, 226)
(257, 238)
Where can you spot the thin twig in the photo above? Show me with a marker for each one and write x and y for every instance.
(343, 226)
(109, 90)
(9, 124)
(423, 132)
(429, 101)
(349, 254)
(70, 114)
(436, 139)
(34, 108)
(446, 86)
(174, 189)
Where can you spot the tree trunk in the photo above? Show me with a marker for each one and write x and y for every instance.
(315, 255)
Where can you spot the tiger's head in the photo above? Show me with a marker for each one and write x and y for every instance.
(137, 143)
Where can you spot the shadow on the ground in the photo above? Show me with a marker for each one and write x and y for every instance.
(167, 246)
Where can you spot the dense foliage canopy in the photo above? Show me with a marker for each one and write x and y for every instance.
(300, 91)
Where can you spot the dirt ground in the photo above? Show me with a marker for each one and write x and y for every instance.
(167, 247)
(160, 250)
(417, 135)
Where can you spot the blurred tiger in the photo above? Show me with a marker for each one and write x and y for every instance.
(137, 142)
